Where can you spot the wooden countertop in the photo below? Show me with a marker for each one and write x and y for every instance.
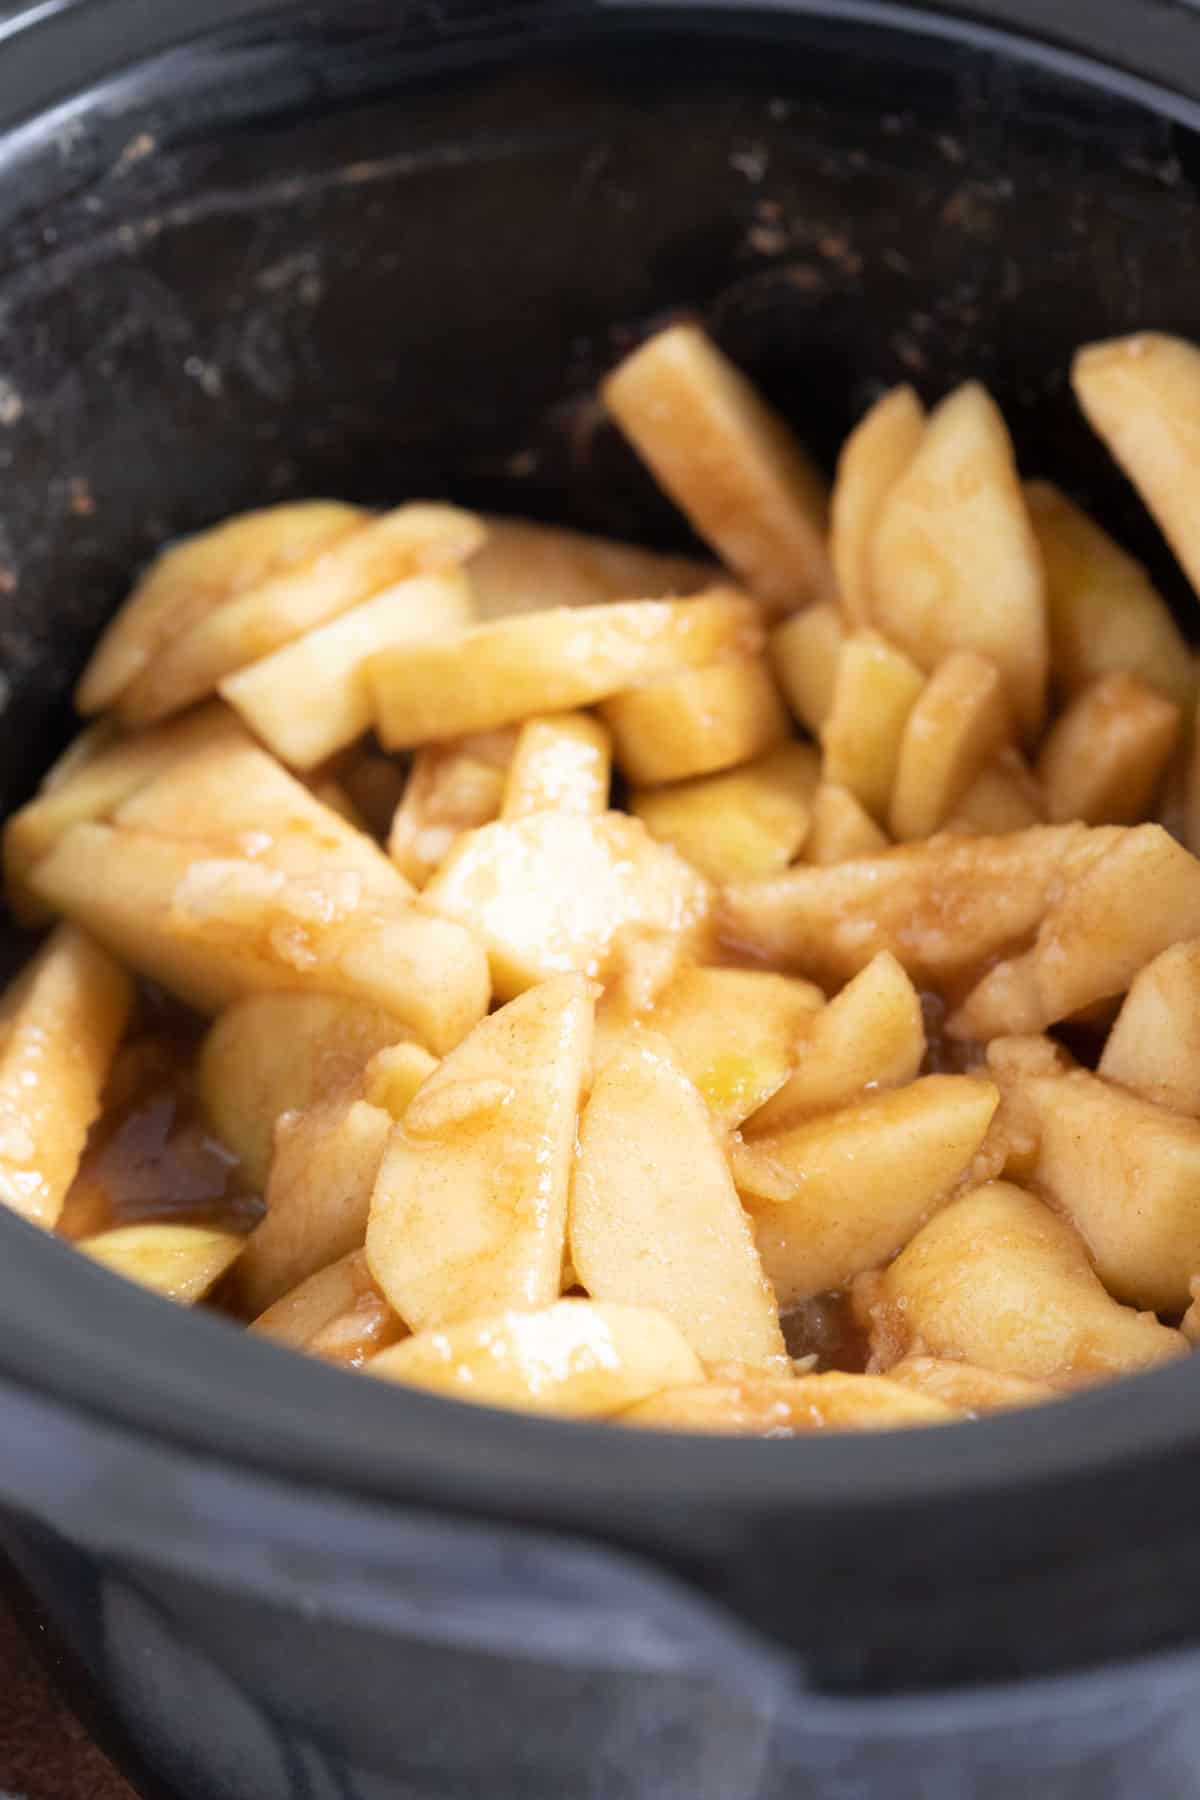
(45, 1754)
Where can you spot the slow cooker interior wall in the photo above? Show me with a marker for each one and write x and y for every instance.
(238, 275)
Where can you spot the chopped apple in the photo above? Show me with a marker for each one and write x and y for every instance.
(826, 1195)
(523, 567)
(1141, 395)
(233, 796)
(1104, 758)
(873, 458)
(470, 1206)
(743, 823)
(1015, 1134)
(940, 907)
(1127, 1173)
(828, 1402)
(1154, 1047)
(734, 1033)
(1004, 798)
(190, 580)
(999, 1281)
(339, 1314)
(562, 763)
(1105, 615)
(60, 1023)
(804, 653)
(413, 540)
(698, 722)
(180, 1262)
(274, 1053)
(318, 1195)
(841, 829)
(871, 1035)
(92, 787)
(552, 891)
(507, 671)
(654, 1215)
(874, 692)
(394, 1074)
(1107, 920)
(212, 930)
(310, 698)
(968, 1389)
(577, 1358)
(728, 462)
(452, 788)
(959, 723)
(955, 563)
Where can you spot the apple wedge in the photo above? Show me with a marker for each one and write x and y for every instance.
(804, 652)
(749, 821)
(871, 1035)
(451, 788)
(1105, 615)
(999, 1281)
(92, 787)
(505, 672)
(275, 1053)
(576, 1358)
(180, 1262)
(829, 1402)
(212, 930)
(1105, 757)
(841, 828)
(874, 691)
(655, 1218)
(696, 723)
(338, 1314)
(60, 1023)
(188, 581)
(873, 458)
(412, 540)
(310, 699)
(955, 563)
(562, 763)
(728, 462)
(836, 1195)
(1154, 1047)
(470, 1206)
(958, 725)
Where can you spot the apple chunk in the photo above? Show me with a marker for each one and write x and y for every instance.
(213, 929)
(955, 563)
(734, 1033)
(804, 652)
(871, 1035)
(1104, 758)
(959, 723)
(60, 1023)
(451, 788)
(873, 459)
(506, 671)
(180, 1262)
(190, 580)
(577, 1358)
(470, 1207)
(275, 1053)
(655, 1218)
(1127, 1173)
(728, 462)
(837, 1195)
(338, 1314)
(696, 723)
(744, 822)
(562, 763)
(1000, 1281)
(1154, 1047)
(831, 1401)
(552, 892)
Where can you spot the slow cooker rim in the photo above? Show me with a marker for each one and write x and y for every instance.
(197, 1382)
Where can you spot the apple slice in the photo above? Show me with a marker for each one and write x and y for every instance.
(469, 1210)
(655, 1218)
(576, 1358)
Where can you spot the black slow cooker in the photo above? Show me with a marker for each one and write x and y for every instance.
(380, 249)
